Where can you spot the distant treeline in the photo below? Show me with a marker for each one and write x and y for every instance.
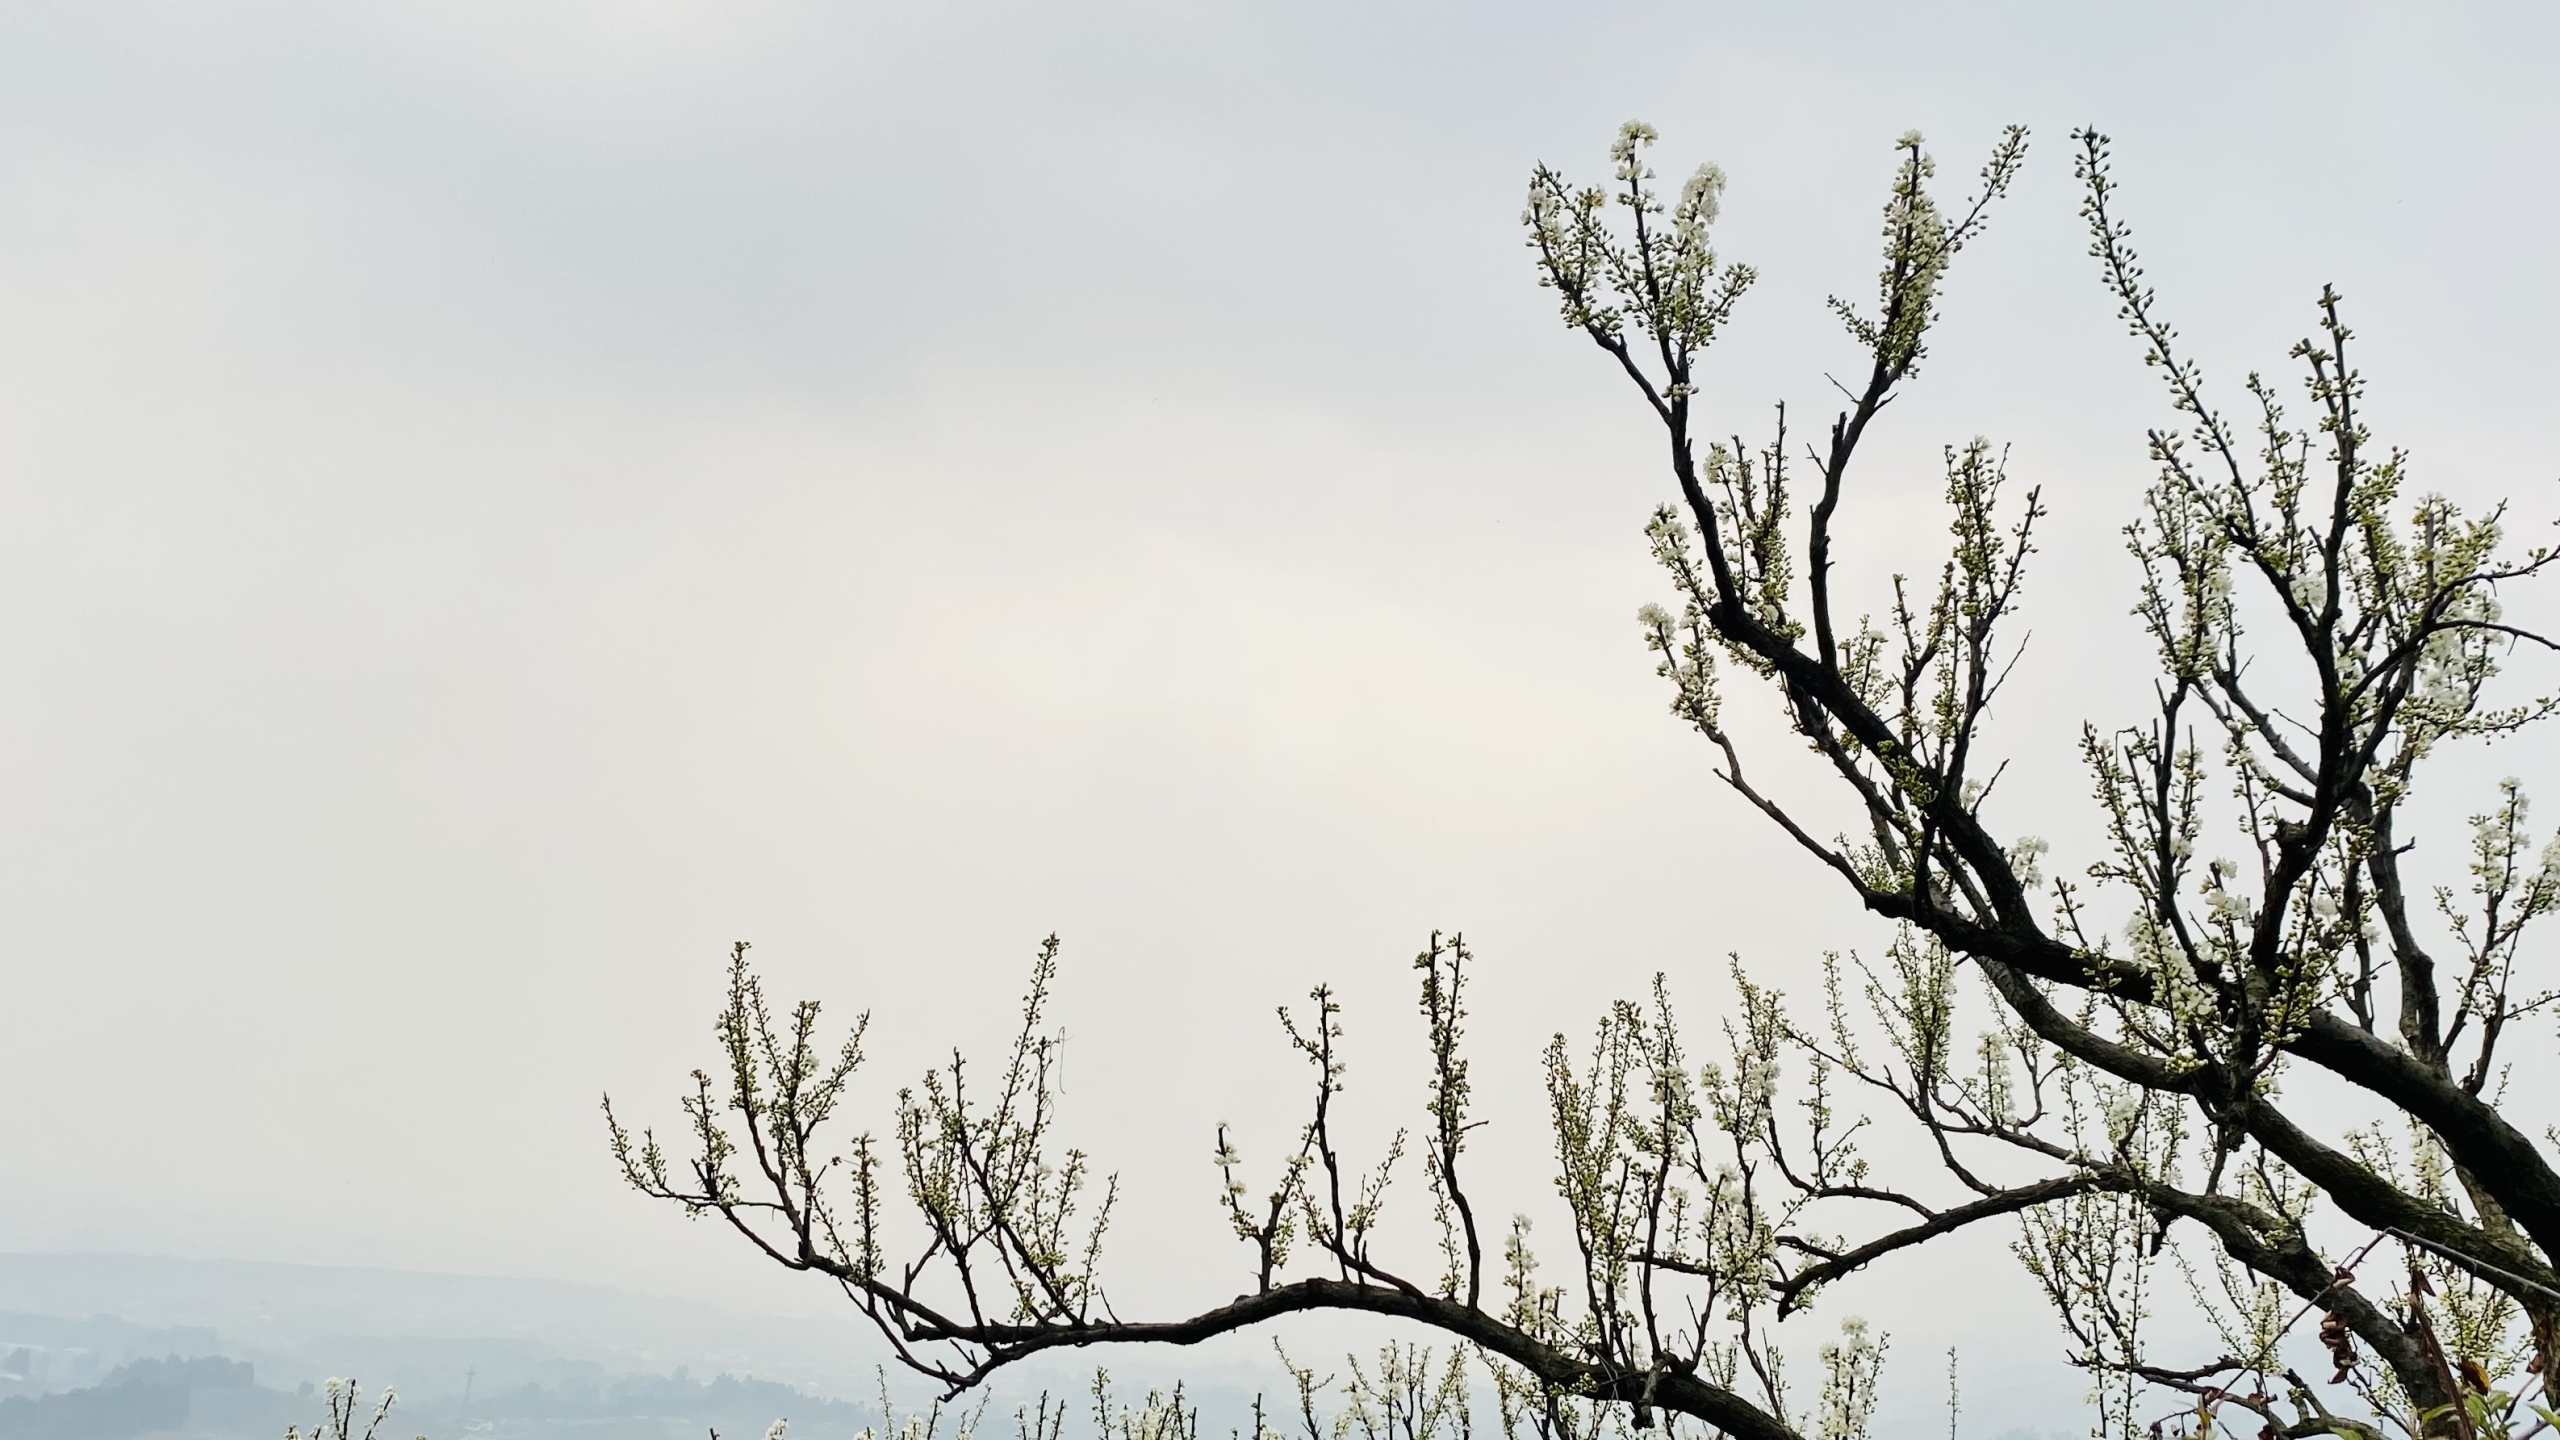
(135, 1399)
(212, 1398)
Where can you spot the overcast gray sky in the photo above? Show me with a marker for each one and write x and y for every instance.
(497, 501)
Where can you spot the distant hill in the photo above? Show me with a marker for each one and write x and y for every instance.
(477, 1358)
(311, 1321)
(121, 1347)
(145, 1397)
(208, 1398)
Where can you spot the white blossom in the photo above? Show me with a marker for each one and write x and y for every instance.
(1633, 134)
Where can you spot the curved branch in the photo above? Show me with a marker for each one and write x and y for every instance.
(1793, 1292)
(1674, 1387)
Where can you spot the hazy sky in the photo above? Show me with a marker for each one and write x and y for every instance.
(498, 501)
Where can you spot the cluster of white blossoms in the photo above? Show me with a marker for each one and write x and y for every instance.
(1632, 137)
(2222, 902)
(2124, 1108)
(1850, 1369)
(2026, 860)
(340, 1398)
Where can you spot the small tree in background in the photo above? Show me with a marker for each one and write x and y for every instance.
(342, 1413)
(2248, 914)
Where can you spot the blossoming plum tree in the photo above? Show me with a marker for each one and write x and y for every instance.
(2247, 916)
